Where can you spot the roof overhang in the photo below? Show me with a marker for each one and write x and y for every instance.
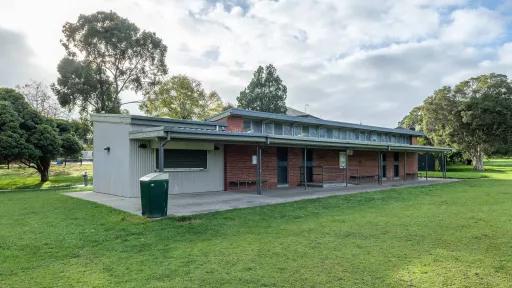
(164, 132)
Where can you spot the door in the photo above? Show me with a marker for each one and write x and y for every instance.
(384, 166)
(309, 165)
(396, 165)
(282, 166)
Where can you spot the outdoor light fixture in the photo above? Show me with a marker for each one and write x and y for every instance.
(107, 148)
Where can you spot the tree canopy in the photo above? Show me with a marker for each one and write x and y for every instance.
(474, 116)
(182, 97)
(29, 137)
(266, 92)
(105, 55)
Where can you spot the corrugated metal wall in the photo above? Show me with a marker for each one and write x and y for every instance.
(142, 162)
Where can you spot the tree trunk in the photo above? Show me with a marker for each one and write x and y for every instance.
(44, 170)
(478, 160)
(44, 175)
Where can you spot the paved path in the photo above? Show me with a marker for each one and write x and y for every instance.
(205, 202)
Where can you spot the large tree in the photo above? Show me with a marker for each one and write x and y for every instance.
(475, 116)
(106, 55)
(35, 136)
(483, 119)
(266, 92)
(182, 97)
(39, 96)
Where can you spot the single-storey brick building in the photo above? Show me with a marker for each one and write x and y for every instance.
(248, 150)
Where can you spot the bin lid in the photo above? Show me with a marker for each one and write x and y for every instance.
(155, 176)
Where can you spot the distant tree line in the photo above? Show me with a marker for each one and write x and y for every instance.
(474, 116)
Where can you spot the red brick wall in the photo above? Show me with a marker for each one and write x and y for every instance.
(238, 165)
(235, 124)
(329, 160)
(363, 163)
(414, 140)
(295, 161)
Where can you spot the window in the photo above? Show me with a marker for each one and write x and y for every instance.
(393, 139)
(269, 128)
(184, 159)
(256, 126)
(287, 130)
(329, 133)
(343, 134)
(297, 130)
(313, 132)
(356, 135)
(305, 131)
(343, 159)
(374, 137)
(396, 156)
(336, 134)
(278, 129)
(247, 125)
(322, 132)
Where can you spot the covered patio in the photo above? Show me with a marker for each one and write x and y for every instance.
(207, 202)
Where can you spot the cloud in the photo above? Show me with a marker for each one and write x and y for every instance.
(16, 65)
(349, 60)
(474, 26)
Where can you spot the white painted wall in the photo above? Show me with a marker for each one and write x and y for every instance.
(118, 171)
(210, 179)
(111, 169)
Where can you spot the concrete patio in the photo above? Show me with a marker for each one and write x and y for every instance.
(205, 202)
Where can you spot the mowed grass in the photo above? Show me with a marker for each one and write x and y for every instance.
(494, 168)
(449, 235)
(21, 177)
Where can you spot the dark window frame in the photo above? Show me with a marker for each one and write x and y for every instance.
(183, 159)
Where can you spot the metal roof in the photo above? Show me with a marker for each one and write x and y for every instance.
(155, 121)
(310, 121)
(253, 138)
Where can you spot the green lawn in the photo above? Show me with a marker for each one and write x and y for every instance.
(20, 177)
(457, 235)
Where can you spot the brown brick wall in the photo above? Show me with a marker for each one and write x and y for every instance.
(329, 160)
(237, 164)
(363, 163)
(414, 140)
(295, 161)
(235, 124)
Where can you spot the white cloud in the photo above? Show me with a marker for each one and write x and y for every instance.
(474, 26)
(349, 60)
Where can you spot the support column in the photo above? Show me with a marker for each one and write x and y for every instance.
(346, 169)
(305, 169)
(444, 165)
(258, 169)
(161, 152)
(379, 168)
(405, 166)
(426, 165)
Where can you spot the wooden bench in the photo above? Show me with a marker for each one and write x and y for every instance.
(358, 178)
(413, 175)
(247, 182)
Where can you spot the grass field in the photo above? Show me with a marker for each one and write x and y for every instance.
(450, 235)
(20, 177)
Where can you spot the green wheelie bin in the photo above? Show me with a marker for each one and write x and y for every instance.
(154, 194)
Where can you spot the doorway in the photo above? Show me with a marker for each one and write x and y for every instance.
(396, 165)
(383, 169)
(282, 166)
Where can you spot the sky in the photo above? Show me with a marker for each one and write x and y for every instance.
(356, 61)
